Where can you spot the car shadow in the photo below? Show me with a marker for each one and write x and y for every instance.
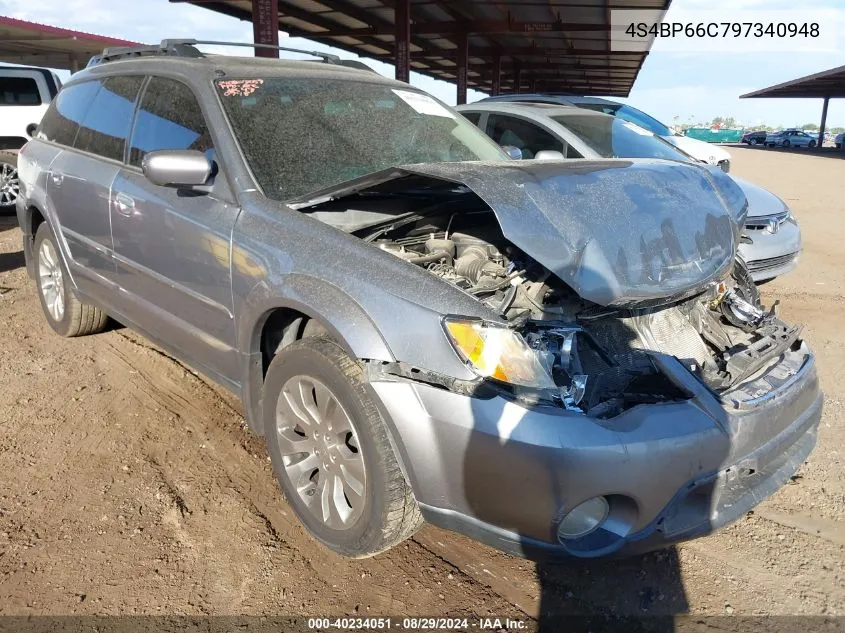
(8, 220)
(11, 261)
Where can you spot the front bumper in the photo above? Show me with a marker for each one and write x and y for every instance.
(507, 475)
(771, 254)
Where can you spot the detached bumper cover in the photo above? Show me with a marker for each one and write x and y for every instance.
(506, 475)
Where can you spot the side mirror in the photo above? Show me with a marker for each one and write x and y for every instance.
(177, 168)
(548, 154)
(30, 129)
(513, 151)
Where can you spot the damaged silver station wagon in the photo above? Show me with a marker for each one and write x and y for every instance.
(560, 358)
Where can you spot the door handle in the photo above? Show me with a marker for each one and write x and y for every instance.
(57, 178)
(125, 204)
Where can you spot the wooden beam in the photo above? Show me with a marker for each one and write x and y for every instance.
(463, 54)
(265, 26)
(402, 40)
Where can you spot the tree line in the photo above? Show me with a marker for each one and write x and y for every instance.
(731, 122)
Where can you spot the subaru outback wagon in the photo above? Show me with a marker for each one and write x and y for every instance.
(559, 358)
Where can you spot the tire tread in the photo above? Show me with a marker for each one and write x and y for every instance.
(82, 318)
(400, 516)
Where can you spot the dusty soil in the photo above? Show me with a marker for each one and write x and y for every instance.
(131, 485)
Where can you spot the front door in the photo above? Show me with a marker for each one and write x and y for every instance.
(172, 246)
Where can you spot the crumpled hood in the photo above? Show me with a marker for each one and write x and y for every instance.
(618, 232)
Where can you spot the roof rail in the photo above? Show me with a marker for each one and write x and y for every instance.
(187, 48)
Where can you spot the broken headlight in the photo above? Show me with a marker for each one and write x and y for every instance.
(494, 351)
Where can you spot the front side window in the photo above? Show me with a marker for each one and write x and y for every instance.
(528, 137)
(18, 91)
(61, 121)
(106, 125)
(612, 137)
(299, 135)
(169, 117)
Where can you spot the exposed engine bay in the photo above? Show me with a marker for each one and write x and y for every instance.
(600, 357)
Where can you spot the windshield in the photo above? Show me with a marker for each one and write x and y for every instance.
(611, 137)
(299, 135)
(627, 113)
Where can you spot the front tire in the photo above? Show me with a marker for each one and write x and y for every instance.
(811, 144)
(67, 315)
(330, 450)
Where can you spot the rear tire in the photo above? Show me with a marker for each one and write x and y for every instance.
(312, 389)
(65, 313)
(9, 184)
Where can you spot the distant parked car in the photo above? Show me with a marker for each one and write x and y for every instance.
(754, 138)
(840, 138)
(700, 150)
(772, 241)
(791, 138)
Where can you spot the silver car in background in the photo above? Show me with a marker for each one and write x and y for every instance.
(791, 138)
(771, 241)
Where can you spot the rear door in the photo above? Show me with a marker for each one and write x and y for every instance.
(93, 118)
(172, 246)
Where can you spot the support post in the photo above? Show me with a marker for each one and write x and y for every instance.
(463, 63)
(532, 84)
(497, 75)
(517, 78)
(74, 64)
(265, 26)
(402, 38)
(824, 121)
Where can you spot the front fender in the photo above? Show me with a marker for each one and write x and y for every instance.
(342, 316)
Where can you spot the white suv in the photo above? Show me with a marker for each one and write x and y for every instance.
(25, 94)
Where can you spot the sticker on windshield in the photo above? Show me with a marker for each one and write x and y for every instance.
(636, 128)
(239, 87)
(422, 103)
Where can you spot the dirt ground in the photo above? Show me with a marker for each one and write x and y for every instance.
(130, 485)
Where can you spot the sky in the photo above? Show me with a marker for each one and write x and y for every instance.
(673, 86)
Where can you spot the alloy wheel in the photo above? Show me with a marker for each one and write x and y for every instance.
(51, 280)
(321, 452)
(9, 185)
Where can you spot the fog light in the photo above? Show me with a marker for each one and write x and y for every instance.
(583, 519)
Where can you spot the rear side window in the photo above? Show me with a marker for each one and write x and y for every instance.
(19, 91)
(169, 118)
(106, 124)
(472, 117)
(61, 121)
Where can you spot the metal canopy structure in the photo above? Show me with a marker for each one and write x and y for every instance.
(34, 44)
(825, 85)
(494, 46)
